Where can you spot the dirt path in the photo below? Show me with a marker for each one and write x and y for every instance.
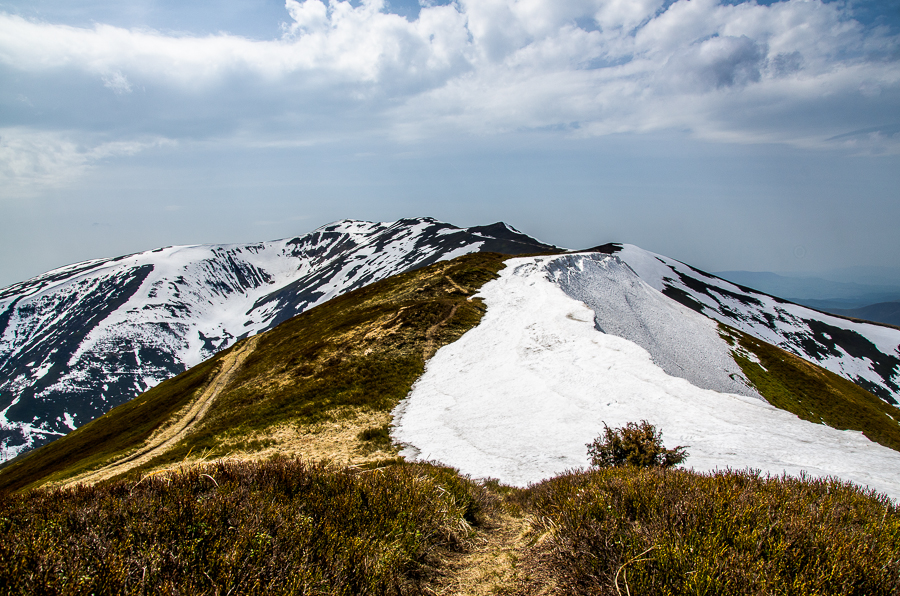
(456, 285)
(492, 566)
(428, 350)
(169, 435)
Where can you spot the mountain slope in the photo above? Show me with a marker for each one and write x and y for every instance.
(84, 338)
(864, 353)
(349, 360)
(519, 403)
(519, 396)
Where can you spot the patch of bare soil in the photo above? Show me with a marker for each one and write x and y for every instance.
(499, 562)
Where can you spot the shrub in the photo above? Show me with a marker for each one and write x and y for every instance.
(635, 444)
(275, 527)
(376, 434)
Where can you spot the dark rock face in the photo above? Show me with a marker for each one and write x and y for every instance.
(79, 340)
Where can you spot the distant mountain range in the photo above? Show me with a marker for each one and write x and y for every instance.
(883, 312)
(873, 301)
(79, 340)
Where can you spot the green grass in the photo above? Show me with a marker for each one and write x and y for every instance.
(376, 437)
(361, 351)
(279, 527)
(672, 532)
(811, 392)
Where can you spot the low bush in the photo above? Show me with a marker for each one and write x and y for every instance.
(635, 444)
(278, 527)
(658, 531)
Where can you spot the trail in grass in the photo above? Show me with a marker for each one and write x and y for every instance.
(167, 437)
(429, 350)
(456, 285)
(492, 566)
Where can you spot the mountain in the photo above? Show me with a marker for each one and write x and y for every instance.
(865, 353)
(82, 339)
(816, 292)
(883, 312)
(304, 388)
(504, 367)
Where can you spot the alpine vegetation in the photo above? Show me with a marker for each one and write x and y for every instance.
(635, 444)
(278, 527)
(632, 530)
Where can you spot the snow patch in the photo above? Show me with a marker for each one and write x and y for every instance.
(681, 341)
(519, 396)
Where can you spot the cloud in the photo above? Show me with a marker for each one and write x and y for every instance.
(729, 72)
(117, 82)
(32, 160)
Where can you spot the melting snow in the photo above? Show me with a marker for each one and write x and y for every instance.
(519, 396)
(682, 342)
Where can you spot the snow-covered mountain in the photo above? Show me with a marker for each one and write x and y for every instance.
(865, 353)
(81, 339)
(572, 342)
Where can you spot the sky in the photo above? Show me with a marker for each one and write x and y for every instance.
(730, 135)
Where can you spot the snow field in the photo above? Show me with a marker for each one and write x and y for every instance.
(519, 396)
(681, 341)
(791, 326)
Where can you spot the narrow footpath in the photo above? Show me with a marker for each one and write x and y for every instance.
(497, 564)
(177, 429)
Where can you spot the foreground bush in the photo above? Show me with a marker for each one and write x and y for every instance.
(281, 527)
(657, 531)
(635, 444)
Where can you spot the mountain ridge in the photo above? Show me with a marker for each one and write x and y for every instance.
(204, 298)
(85, 337)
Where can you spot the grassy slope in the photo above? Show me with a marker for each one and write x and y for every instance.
(114, 433)
(811, 392)
(671, 532)
(275, 527)
(359, 351)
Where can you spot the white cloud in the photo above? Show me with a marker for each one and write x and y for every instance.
(592, 67)
(117, 82)
(32, 160)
